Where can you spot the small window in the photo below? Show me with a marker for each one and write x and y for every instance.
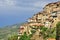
(44, 22)
(52, 21)
(55, 19)
(43, 15)
(54, 16)
(57, 4)
(46, 15)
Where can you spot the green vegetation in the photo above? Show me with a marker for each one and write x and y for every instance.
(8, 30)
(48, 32)
(10, 33)
(58, 31)
(13, 37)
(27, 37)
(24, 37)
(33, 31)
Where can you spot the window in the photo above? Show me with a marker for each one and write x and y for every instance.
(57, 5)
(52, 21)
(55, 19)
(46, 15)
(54, 14)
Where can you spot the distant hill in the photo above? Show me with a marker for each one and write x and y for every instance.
(8, 30)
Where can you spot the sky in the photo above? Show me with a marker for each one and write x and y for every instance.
(18, 11)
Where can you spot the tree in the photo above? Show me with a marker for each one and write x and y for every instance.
(48, 32)
(24, 37)
(58, 31)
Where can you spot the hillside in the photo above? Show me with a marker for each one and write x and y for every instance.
(8, 30)
(41, 26)
(47, 18)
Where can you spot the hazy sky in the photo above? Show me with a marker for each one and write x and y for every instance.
(17, 11)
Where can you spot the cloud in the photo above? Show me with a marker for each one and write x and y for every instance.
(6, 3)
(10, 2)
(24, 4)
(14, 5)
(40, 4)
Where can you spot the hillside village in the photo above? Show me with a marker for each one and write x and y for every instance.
(47, 18)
